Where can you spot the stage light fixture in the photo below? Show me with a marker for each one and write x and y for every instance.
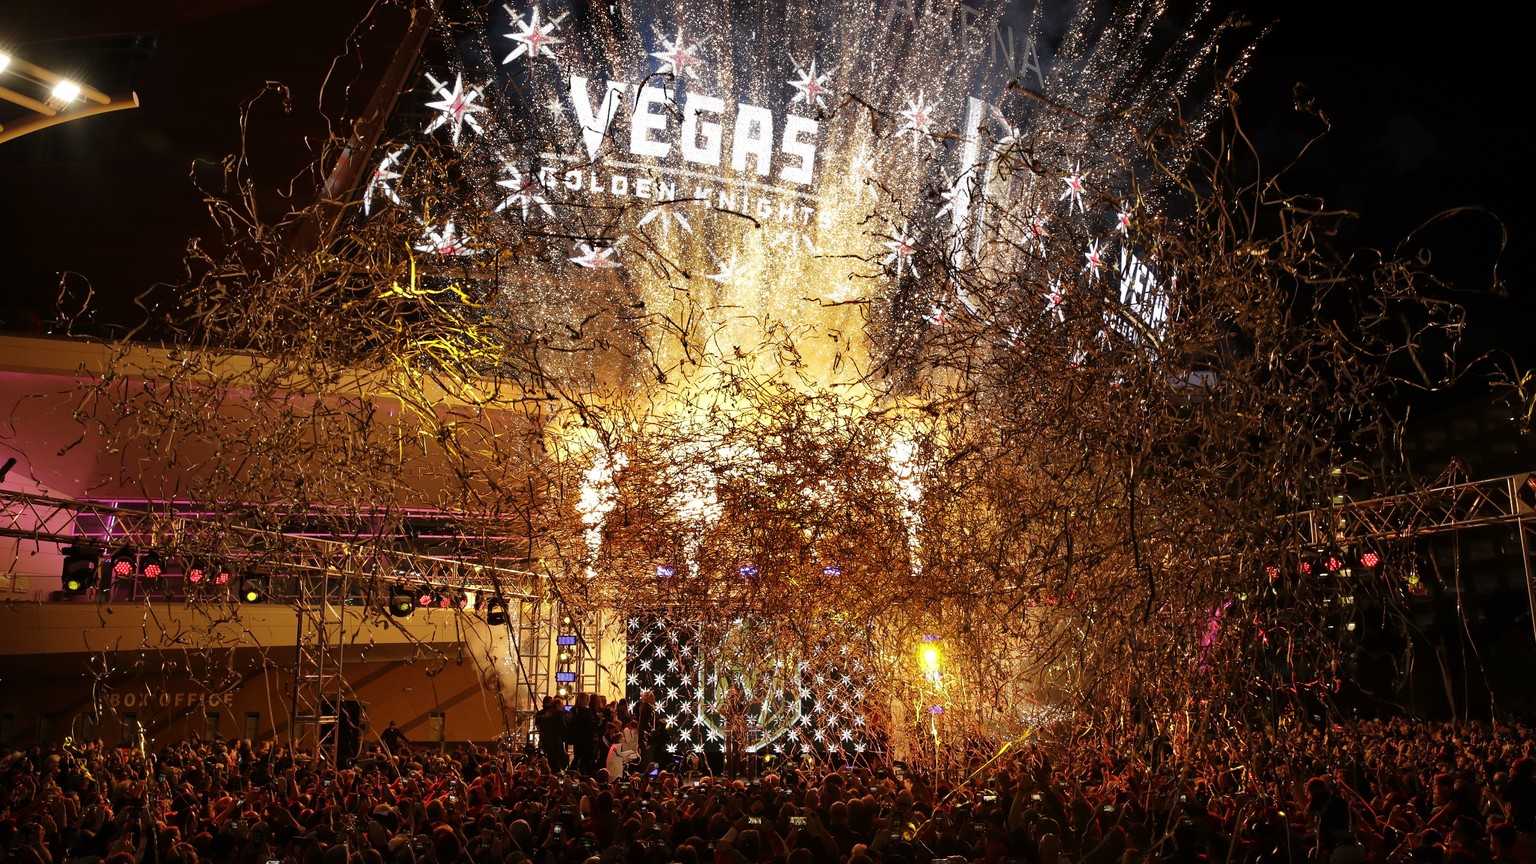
(401, 603)
(5, 60)
(222, 575)
(496, 612)
(252, 589)
(832, 570)
(79, 570)
(748, 571)
(124, 562)
(1370, 560)
(66, 91)
(196, 572)
(445, 601)
(424, 596)
(665, 571)
(151, 565)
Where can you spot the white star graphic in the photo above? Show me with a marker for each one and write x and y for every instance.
(937, 316)
(727, 270)
(677, 57)
(1095, 261)
(597, 259)
(811, 87)
(902, 248)
(523, 190)
(1123, 221)
(446, 241)
(1055, 299)
(534, 38)
(456, 108)
(792, 240)
(1037, 232)
(919, 117)
(669, 214)
(378, 183)
(950, 195)
(1074, 190)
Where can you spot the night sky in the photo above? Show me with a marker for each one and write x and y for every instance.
(1427, 116)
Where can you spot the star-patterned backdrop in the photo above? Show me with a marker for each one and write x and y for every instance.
(795, 702)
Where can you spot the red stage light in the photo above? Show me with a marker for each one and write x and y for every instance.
(1369, 560)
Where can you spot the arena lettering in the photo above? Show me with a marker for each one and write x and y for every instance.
(760, 203)
(169, 700)
(700, 137)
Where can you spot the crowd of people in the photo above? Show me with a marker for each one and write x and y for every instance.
(1378, 792)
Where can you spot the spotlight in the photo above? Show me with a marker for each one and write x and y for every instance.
(1370, 560)
(5, 60)
(424, 596)
(496, 612)
(665, 571)
(749, 571)
(66, 91)
(124, 563)
(79, 569)
(252, 590)
(221, 575)
(197, 571)
(444, 601)
(401, 603)
(151, 565)
(832, 570)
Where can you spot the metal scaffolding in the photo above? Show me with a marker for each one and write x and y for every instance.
(321, 576)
